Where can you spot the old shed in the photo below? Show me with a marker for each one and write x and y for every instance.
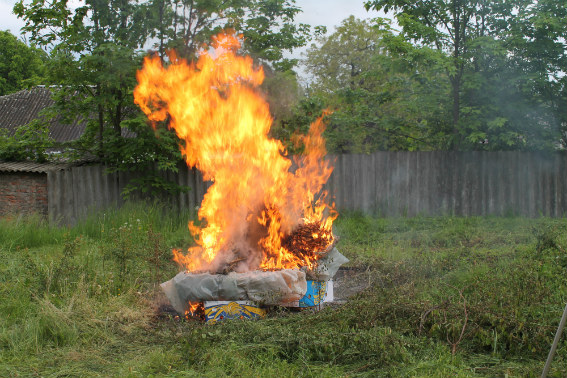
(24, 188)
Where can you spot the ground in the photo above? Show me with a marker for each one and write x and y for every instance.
(421, 297)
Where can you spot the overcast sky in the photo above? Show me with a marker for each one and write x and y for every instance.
(8, 21)
(330, 13)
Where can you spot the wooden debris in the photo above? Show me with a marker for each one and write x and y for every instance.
(229, 267)
(308, 240)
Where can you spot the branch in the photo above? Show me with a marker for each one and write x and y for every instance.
(458, 341)
(429, 311)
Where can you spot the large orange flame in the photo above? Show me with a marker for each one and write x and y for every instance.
(255, 199)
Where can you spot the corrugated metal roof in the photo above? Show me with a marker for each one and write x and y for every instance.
(20, 108)
(9, 166)
(25, 166)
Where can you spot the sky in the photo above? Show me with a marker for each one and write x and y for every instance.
(330, 13)
(9, 21)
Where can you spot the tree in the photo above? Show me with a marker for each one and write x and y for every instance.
(21, 66)
(29, 142)
(267, 27)
(384, 92)
(97, 48)
(538, 52)
(345, 56)
(467, 31)
(95, 45)
(95, 56)
(447, 25)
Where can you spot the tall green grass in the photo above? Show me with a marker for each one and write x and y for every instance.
(27, 232)
(83, 301)
(138, 217)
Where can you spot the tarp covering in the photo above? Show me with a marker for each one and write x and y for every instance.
(327, 266)
(269, 288)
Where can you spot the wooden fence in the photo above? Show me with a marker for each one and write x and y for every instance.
(455, 183)
(383, 183)
(76, 192)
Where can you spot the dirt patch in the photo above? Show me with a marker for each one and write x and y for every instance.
(350, 281)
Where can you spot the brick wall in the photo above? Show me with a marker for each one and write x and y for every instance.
(23, 193)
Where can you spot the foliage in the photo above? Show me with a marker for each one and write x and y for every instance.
(151, 153)
(504, 68)
(385, 93)
(21, 66)
(510, 271)
(96, 50)
(345, 56)
(267, 27)
(29, 142)
(283, 93)
(94, 61)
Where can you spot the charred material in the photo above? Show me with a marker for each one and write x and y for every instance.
(308, 242)
(308, 239)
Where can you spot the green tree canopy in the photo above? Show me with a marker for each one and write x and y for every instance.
(385, 93)
(267, 25)
(505, 69)
(21, 66)
(342, 59)
(97, 48)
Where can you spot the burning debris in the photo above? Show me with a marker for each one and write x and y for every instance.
(308, 238)
(262, 222)
(287, 287)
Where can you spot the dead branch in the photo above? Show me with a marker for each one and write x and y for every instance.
(455, 343)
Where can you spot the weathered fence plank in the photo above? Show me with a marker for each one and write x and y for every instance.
(385, 183)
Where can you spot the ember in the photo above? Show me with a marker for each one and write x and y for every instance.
(193, 309)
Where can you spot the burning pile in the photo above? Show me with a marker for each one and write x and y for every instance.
(308, 238)
(258, 215)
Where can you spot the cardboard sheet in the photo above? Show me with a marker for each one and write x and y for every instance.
(327, 266)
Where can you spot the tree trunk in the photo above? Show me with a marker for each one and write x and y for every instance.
(100, 125)
(456, 79)
(161, 32)
(118, 115)
(100, 130)
(456, 88)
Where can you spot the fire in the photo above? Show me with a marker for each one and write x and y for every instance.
(193, 308)
(255, 202)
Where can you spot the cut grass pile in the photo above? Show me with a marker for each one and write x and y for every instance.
(448, 297)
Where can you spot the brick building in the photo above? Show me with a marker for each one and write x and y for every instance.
(23, 187)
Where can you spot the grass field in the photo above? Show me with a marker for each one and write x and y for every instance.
(448, 297)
